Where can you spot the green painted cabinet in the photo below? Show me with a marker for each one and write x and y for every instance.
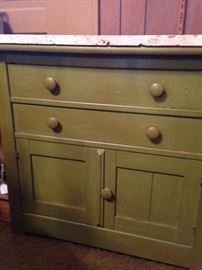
(151, 196)
(103, 146)
(146, 196)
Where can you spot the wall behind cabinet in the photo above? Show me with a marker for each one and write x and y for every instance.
(150, 17)
(51, 16)
(105, 17)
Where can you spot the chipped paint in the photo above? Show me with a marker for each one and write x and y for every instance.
(104, 41)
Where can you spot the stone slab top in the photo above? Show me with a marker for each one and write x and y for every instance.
(103, 41)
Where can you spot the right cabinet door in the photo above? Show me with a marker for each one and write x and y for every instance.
(154, 196)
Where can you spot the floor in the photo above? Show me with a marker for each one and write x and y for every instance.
(30, 252)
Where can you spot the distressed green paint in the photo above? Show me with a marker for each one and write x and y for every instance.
(196, 262)
(104, 108)
(104, 50)
(121, 87)
(118, 128)
(6, 127)
(152, 198)
(56, 180)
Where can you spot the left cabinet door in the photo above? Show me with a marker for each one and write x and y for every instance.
(60, 180)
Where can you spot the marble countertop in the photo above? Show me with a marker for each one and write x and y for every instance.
(104, 41)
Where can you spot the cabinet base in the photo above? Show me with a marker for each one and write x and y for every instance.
(139, 246)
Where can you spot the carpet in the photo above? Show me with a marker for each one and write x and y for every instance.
(31, 252)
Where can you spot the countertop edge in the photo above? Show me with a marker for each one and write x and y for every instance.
(103, 40)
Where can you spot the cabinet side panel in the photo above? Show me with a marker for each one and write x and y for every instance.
(6, 127)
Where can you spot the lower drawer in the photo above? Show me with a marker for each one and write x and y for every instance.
(161, 132)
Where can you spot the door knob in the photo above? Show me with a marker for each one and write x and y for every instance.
(53, 123)
(50, 84)
(157, 90)
(152, 133)
(106, 193)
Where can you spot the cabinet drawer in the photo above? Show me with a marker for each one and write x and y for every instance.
(174, 89)
(172, 133)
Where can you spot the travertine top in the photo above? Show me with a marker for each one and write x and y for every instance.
(104, 41)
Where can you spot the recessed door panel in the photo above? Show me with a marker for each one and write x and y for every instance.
(137, 185)
(154, 196)
(60, 181)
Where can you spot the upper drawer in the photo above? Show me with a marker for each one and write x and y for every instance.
(172, 133)
(179, 89)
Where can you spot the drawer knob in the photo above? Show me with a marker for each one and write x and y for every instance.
(153, 133)
(50, 84)
(53, 123)
(157, 90)
(106, 193)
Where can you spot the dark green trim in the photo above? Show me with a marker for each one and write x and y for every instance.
(105, 50)
(112, 146)
(108, 107)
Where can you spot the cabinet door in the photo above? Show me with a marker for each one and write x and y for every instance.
(154, 196)
(61, 181)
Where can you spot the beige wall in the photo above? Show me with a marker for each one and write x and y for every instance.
(115, 17)
(51, 16)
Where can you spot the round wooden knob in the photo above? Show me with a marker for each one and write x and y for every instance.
(157, 90)
(50, 84)
(106, 193)
(53, 123)
(153, 133)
